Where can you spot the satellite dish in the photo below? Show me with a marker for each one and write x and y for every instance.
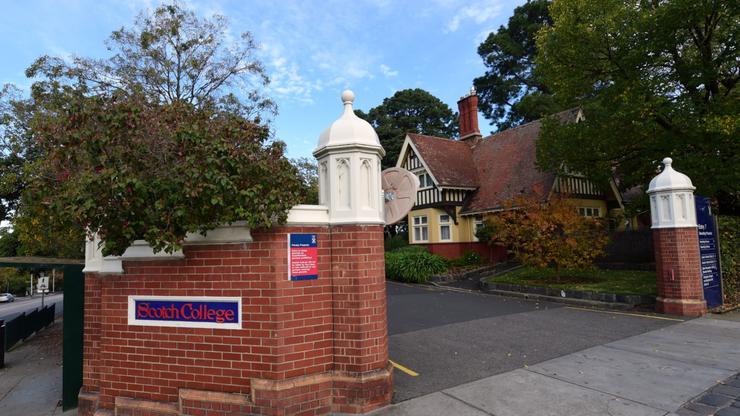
(399, 188)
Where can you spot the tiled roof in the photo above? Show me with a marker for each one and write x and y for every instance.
(502, 165)
(449, 161)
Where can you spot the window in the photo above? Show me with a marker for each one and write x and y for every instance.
(589, 212)
(421, 228)
(445, 233)
(477, 225)
(425, 181)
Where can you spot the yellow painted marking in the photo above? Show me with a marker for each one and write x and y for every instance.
(408, 371)
(664, 318)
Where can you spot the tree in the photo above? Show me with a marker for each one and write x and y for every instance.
(409, 111)
(512, 92)
(154, 142)
(655, 79)
(308, 170)
(8, 242)
(548, 234)
(171, 55)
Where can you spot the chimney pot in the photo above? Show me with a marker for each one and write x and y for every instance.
(468, 107)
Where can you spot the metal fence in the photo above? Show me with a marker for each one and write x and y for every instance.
(25, 325)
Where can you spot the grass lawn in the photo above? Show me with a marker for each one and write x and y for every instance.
(622, 282)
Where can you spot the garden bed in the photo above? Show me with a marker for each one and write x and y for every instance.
(631, 287)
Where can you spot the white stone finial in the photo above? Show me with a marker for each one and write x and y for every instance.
(348, 97)
(671, 198)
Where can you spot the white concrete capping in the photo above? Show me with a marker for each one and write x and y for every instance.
(308, 215)
(235, 233)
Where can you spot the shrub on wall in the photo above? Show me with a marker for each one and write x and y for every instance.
(729, 240)
(412, 266)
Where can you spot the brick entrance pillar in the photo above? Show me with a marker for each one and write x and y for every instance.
(676, 244)
(309, 346)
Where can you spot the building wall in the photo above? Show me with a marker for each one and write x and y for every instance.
(591, 203)
(308, 347)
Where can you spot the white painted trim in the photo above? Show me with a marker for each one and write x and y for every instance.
(234, 233)
(177, 324)
(308, 215)
(140, 250)
(406, 143)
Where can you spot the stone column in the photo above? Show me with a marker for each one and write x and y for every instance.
(676, 243)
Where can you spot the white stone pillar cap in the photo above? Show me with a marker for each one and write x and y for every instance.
(349, 131)
(670, 180)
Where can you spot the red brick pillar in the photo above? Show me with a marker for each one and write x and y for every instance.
(362, 377)
(676, 244)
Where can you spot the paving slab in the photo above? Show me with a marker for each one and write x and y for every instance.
(429, 405)
(522, 392)
(654, 381)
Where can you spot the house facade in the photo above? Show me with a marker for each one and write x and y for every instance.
(464, 181)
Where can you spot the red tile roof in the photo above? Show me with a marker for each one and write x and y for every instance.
(501, 166)
(449, 161)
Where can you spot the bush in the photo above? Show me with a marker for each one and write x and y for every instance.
(396, 242)
(412, 265)
(729, 240)
(469, 258)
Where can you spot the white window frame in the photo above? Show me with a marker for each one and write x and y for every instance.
(593, 212)
(448, 224)
(420, 225)
(425, 180)
(477, 221)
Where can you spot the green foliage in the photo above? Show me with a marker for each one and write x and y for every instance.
(13, 281)
(412, 265)
(729, 240)
(627, 282)
(469, 258)
(512, 92)
(655, 79)
(9, 243)
(548, 234)
(308, 171)
(396, 242)
(130, 169)
(409, 111)
(165, 137)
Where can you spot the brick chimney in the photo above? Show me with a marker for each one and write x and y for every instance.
(468, 106)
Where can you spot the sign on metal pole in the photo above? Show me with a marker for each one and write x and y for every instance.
(708, 252)
(303, 257)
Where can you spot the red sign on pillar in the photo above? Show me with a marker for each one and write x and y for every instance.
(303, 257)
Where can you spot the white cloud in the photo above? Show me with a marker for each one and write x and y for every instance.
(386, 70)
(478, 13)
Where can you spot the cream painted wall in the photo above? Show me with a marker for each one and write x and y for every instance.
(460, 233)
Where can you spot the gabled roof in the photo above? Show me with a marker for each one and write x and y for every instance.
(448, 160)
(502, 166)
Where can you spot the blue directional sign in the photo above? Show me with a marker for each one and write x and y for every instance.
(708, 252)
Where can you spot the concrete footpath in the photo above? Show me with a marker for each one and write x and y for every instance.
(31, 382)
(684, 369)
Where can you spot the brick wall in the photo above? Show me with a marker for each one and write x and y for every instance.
(678, 268)
(306, 347)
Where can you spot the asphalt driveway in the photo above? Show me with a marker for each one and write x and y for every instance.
(450, 338)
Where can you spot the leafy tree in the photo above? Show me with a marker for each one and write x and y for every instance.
(655, 79)
(8, 242)
(512, 92)
(170, 55)
(130, 169)
(16, 148)
(409, 111)
(164, 138)
(546, 235)
(308, 171)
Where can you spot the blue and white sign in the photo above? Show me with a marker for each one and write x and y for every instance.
(708, 252)
(185, 311)
(303, 257)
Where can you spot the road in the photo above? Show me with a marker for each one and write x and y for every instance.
(10, 310)
(450, 338)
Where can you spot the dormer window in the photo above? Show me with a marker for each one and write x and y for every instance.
(425, 181)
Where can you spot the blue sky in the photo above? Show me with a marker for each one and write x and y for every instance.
(312, 49)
